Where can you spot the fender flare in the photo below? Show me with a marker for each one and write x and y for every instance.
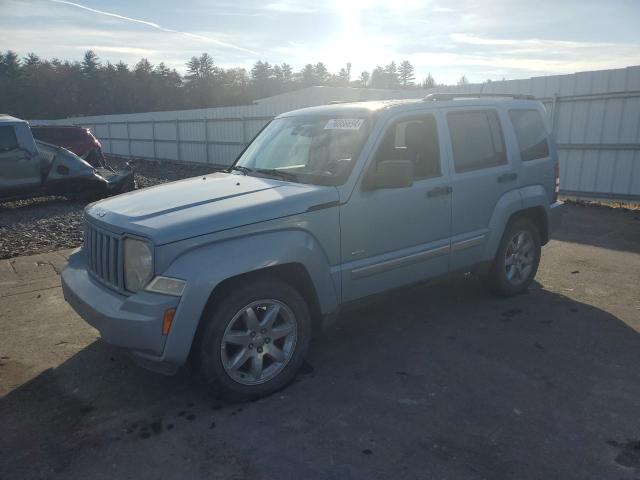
(525, 198)
(205, 267)
(507, 205)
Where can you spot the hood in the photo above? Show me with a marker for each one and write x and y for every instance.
(49, 152)
(202, 205)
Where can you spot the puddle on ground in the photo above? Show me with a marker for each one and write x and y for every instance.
(512, 312)
(306, 369)
(629, 455)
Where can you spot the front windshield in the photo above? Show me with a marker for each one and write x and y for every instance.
(308, 149)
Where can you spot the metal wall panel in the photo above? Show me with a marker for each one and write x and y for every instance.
(596, 119)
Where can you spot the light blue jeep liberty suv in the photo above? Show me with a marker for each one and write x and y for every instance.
(327, 205)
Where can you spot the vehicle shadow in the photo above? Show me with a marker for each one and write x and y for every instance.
(611, 228)
(446, 379)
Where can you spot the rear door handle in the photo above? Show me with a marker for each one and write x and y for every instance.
(507, 177)
(439, 191)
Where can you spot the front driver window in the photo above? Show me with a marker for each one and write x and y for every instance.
(414, 139)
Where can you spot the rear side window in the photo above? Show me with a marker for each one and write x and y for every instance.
(476, 138)
(531, 134)
(8, 140)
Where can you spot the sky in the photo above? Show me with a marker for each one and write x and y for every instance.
(481, 39)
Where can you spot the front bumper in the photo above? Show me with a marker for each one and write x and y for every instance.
(133, 322)
(556, 211)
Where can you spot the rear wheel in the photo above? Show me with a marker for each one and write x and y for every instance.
(254, 340)
(517, 259)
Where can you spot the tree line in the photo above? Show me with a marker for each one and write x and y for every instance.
(35, 88)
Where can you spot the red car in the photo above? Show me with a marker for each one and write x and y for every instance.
(78, 140)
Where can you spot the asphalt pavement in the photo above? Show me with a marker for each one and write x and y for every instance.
(443, 381)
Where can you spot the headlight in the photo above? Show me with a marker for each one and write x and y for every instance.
(138, 264)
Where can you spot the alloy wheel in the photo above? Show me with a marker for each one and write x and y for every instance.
(259, 341)
(520, 257)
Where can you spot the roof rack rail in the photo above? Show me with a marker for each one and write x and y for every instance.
(337, 102)
(435, 97)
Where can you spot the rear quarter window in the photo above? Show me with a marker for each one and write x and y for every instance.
(533, 141)
(476, 139)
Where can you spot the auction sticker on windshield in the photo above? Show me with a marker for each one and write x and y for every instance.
(344, 124)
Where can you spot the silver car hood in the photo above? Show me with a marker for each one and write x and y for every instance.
(201, 205)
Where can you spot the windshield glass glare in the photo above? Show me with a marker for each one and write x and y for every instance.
(318, 150)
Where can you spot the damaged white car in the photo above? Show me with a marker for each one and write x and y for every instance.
(29, 167)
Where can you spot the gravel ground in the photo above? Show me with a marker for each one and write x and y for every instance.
(45, 224)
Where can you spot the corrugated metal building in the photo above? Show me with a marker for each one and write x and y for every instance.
(595, 118)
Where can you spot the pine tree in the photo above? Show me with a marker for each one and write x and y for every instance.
(308, 75)
(391, 73)
(378, 78)
(31, 60)
(90, 64)
(9, 64)
(287, 72)
(193, 68)
(321, 73)
(405, 72)
(143, 67)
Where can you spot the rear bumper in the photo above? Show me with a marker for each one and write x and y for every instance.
(556, 211)
(133, 322)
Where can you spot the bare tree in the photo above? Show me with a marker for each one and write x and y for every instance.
(429, 82)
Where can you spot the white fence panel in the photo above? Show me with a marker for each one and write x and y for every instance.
(595, 118)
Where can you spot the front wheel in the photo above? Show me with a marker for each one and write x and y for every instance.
(254, 340)
(517, 259)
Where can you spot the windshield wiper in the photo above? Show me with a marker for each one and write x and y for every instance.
(240, 168)
(277, 173)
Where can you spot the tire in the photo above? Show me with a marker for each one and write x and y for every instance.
(514, 267)
(231, 344)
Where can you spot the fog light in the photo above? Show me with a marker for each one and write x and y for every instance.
(167, 320)
(167, 286)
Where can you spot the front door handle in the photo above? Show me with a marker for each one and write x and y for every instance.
(507, 177)
(439, 191)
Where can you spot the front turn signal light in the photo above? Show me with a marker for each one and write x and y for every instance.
(167, 320)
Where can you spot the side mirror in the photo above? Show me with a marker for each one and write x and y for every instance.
(390, 174)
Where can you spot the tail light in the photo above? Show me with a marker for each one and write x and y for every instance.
(557, 189)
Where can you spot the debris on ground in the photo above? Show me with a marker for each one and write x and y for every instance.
(604, 203)
(45, 224)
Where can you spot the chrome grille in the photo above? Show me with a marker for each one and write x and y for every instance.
(103, 255)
